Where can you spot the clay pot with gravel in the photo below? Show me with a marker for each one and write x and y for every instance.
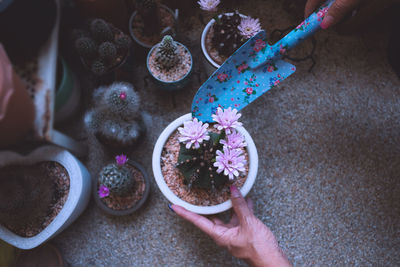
(122, 187)
(150, 22)
(195, 164)
(101, 47)
(170, 64)
(40, 195)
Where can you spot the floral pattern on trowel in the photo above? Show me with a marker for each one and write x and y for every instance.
(235, 85)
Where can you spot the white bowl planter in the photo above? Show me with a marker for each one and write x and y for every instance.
(77, 200)
(211, 65)
(156, 161)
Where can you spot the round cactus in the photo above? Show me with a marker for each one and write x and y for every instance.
(98, 67)
(122, 100)
(85, 47)
(123, 42)
(167, 53)
(101, 30)
(107, 51)
(118, 179)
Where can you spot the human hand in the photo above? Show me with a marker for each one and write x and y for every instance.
(245, 236)
(335, 13)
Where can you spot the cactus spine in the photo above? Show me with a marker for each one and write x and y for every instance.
(166, 54)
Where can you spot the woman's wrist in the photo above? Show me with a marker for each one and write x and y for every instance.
(268, 256)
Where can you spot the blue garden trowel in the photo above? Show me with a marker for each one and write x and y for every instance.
(252, 70)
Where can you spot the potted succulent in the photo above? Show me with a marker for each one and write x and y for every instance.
(122, 187)
(170, 64)
(102, 47)
(194, 163)
(150, 22)
(224, 34)
(40, 194)
(116, 119)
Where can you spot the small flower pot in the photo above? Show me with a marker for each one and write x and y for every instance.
(76, 202)
(139, 203)
(209, 63)
(171, 85)
(162, 185)
(168, 29)
(67, 92)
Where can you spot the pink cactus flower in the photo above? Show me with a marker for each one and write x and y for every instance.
(122, 95)
(249, 27)
(193, 133)
(234, 141)
(231, 162)
(226, 119)
(103, 191)
(209, 5)
(121, 160)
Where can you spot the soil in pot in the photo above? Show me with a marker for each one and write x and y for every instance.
(166, 20)
(175, 73)
(175, 180)
(123, 203)
(32, 196)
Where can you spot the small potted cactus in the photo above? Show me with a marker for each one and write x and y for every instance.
(150, 22)
(224, 34)
(170, 64)
(121, 187)
(195, 163)
(102, 47)
(116, 119)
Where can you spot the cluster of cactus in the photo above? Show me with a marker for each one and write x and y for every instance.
(116, 116)
(101, 45)
(149, 12)
(196, 165)
(117, 178)
(227, 38)
(166, 53)
(25, 195)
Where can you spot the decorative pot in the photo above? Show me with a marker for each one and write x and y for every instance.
(210, 65)
(171, 85)
(77, 200)
(136, 206)
(16, 106)
(167, 30)
(156, 163)
(67, 92)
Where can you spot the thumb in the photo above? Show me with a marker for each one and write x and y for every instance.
(337, 12)
(240, 205)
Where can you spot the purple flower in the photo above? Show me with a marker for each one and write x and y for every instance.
(193, 132)
(226, 119)
(234, 141)
(103, 191)
(249, 27)
(121, 160)
(208, 5)
(231, 161)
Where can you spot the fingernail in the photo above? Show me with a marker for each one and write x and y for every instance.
(170, 207)
(327, 22)
(234, 191)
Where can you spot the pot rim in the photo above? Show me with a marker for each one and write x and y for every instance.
(204, 35)
(156, 164)
(131, 20)
(77, 174)
(170, 82)
(138, 204)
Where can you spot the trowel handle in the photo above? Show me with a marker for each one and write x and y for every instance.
(305, 29)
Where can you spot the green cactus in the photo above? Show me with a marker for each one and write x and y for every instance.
(123, 42)
(116, 116)
(107, 51)
(227, 38)
(101, 30)
(98, 67)
(85, 47)
(167, 53)
(196, 165)
(118, 179)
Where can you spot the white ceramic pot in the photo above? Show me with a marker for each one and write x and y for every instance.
(79, 193)
(210, 65)
(251, 176)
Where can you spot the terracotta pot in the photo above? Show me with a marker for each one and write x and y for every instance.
(16, 106)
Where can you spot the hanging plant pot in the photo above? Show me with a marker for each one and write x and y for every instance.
(132, 201)
(168, 21)
(175, 78)
(46, 165)
(165, 159)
